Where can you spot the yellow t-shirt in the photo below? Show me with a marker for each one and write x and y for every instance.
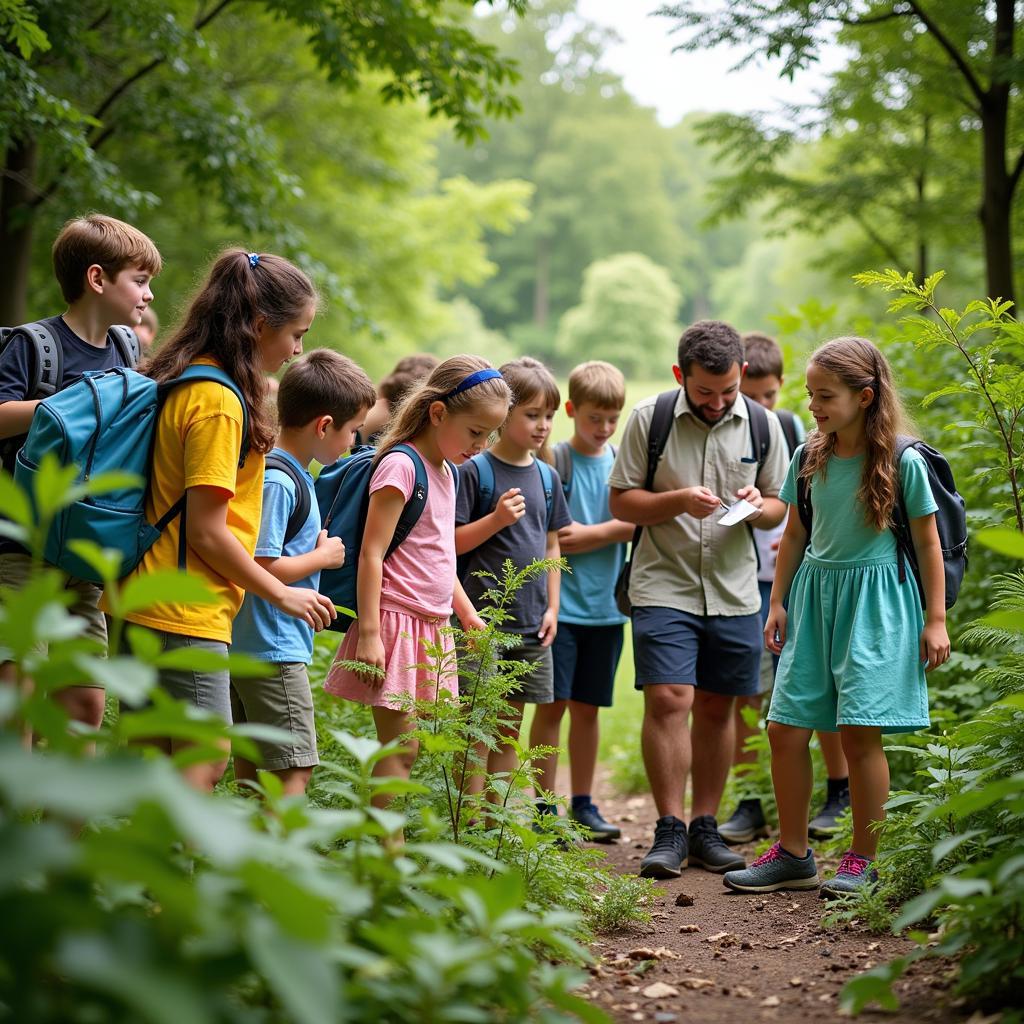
(198, 441)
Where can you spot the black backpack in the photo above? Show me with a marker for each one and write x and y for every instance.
(303, 501)
(657, 438)
(787, 421)
(950, 518)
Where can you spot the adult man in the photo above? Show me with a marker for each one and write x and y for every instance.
(696, 625)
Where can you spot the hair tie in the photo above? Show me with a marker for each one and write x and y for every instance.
(471, 382)
(254, 260)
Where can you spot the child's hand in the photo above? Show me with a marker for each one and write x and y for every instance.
(309, 605)
(571, 537)
(699, 502)
(548, 628)
(775, 629)
(370, 651)
(511, 507)
(934, 645)
(331, 550)
(472, 622)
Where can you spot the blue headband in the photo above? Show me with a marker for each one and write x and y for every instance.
(254, 260)
(471, 382)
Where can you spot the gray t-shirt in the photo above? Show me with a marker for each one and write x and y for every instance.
(522, 542)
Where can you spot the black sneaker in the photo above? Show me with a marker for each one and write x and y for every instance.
(708, 850)
(825, 823)
(590, 818)
(746, 824)
(666, 856)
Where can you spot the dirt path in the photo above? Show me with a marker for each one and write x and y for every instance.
(730, 957)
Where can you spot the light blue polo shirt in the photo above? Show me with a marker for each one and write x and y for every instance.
(261, 630)
(588, 593)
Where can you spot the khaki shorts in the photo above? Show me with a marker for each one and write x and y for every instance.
(15, 570)
(282, 699)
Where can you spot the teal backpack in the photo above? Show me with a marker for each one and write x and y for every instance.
(106, 422)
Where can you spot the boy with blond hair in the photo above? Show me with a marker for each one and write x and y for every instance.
(762, 382)
(104, 268)
(588, 643)
(322, 401)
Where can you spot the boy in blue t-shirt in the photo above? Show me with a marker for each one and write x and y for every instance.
(321, 403)
(589, 639)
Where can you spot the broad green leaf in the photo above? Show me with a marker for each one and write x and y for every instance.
(106, 561)
(874, 986)
(918, 908)
(946, 846)
(126, 678)
(1006, 542)
(362, 748)
(14, 503)
(162, 587)
(304, 914)
(963, 888)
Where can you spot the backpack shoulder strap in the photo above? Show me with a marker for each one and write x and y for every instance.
(760, 437)
(417, 500)
(900, 521)
(547, 479)
(201, 372)
(657, 435)
(127, 343)
(47, 370)
(485, 484)
(787, 420)
(563, 464)
(300, 513)
(803, 495)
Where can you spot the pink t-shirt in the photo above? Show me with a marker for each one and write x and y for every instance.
(420, 574)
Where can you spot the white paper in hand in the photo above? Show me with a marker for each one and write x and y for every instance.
(737, 513)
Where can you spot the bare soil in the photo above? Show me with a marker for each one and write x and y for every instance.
(728, 957)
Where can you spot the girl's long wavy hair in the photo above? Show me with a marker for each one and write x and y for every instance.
(413, 415)
(221, 323)
(529, 378)
(859, 364)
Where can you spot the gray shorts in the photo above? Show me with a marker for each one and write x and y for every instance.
(538, 685)
(15, 570)
(202, 688)
(282, 698)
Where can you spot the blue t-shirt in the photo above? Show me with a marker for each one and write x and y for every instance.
(588, 592)
(839, 531)
(261, 630)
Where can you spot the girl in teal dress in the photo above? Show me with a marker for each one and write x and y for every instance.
(855, 643)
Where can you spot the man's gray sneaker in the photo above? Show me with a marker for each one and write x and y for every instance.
(665, 859)
(824, 824)
(855, 872)
(775, 870)
(707, 849)
(746, 824)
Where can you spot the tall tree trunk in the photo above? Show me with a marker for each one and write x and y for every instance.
(996, 203)
(921, 185)
(542, 283)
(16, 218)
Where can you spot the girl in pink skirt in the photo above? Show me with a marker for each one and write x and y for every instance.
(406, 597)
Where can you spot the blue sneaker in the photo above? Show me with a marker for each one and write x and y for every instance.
(590, 818)
(775, 870)
(855, 872)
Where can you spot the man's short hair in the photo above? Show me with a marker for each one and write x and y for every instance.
(598, 383)
(764, 357)
(323, 383)
(96, 238)
(713, 345)
(408, 371)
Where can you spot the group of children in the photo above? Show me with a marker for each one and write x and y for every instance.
(504, 501)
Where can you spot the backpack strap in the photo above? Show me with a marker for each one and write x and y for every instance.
(547, 479)
(657, 437)
(900, 522)
(47, 369)
(562, 454)
(787, 421)
(803, 495)
(760, 436)
(126, 341)
(202, 372)
(485, 484)
(413, 508)
(300, 513)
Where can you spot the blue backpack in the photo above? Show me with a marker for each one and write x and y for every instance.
(343, 494)
(485, 486)
(106, 422)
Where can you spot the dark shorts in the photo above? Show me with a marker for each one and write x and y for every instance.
(209, 689)
(769, 661)
(536, 686)
(283, 699)
(717, 653)
(586, 659)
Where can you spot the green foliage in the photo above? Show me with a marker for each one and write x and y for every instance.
(626, 315)
(625, 901)
(128, 895)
